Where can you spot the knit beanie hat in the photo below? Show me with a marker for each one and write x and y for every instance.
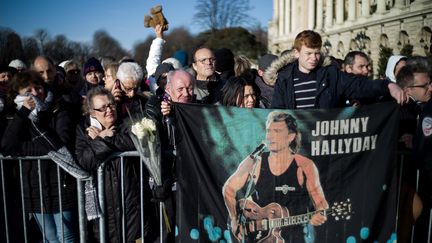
(224, 60)
(92, 65)
(265, 61)
(161, 69)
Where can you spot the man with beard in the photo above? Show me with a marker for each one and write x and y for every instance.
(45, 67)
(357, 63)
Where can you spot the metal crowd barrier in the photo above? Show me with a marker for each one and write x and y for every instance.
(101, 195)
(7, 219)
(8, 202)
(82, 220)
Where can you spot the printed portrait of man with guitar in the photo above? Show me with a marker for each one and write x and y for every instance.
(283, 198)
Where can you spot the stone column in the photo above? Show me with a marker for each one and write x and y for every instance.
(287, 16)
(281, 17)
(319, 15)
(329, 13)
(351, 10)
(399, 4)
(381, 7)
(275, 9)
(365, 8)
(339, 11)
(294, 17)
(311, 14)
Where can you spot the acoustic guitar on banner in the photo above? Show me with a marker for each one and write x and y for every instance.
(264, 224)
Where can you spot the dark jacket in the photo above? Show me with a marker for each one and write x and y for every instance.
(153, 111)
(266, 90)
(165, 126)
(423, 140)
(208, 92)
(135, 105)
(333, 86)
(91, 153)
(21, 138)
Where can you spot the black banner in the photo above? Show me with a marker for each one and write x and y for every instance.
(258, 175)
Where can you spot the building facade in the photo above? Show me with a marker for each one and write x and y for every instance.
(347, 25)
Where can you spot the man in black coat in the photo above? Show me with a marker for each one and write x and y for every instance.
(415, 79)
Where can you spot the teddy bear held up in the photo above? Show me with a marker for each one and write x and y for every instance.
(156, 18)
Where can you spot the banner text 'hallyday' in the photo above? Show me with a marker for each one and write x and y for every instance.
(337, 128)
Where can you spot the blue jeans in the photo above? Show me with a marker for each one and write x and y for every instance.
(53, 230)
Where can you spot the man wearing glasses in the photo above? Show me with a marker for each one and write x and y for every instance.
(208, 84)
(415, 80)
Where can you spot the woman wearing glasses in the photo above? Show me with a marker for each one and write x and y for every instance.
(100, 135)
(132, 100)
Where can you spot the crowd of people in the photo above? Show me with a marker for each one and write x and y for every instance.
(84, 110)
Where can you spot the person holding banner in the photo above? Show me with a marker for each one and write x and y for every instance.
(278, 183)
(305, 80)
(179, 88)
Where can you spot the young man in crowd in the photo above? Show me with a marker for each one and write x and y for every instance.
(306, 80)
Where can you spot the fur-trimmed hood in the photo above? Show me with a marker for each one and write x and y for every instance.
(271, 72)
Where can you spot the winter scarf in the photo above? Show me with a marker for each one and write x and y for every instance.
(60, 154)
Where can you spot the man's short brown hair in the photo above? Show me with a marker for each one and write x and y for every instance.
(308, 38)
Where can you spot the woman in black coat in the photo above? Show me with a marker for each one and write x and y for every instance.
(98, 136)
(40, 125)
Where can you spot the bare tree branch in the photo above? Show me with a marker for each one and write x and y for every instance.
(41, 35)
(219, 14)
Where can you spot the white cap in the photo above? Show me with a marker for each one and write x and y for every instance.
(173, 61)
(63, 64)
(18, 64)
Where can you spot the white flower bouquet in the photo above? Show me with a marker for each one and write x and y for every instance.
(147, 143)
(146, 140)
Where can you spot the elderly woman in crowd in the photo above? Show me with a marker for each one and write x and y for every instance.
(40, 125)
(100, 135)
(130, 75)
(241, 92)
